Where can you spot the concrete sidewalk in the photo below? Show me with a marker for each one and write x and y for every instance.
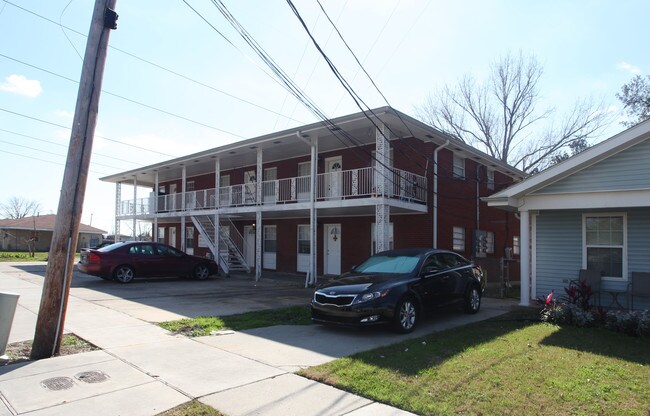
(144, 370)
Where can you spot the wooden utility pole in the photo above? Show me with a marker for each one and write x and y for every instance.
(56, 287)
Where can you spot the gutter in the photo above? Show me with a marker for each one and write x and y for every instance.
(435, 192)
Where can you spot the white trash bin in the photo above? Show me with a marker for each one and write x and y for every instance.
(8, 303)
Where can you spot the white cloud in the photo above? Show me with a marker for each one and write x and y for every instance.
(18, 84)
(627, 67)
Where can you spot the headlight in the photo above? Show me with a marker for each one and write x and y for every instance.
(370, 296)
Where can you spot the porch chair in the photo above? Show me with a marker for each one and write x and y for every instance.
(639, 286)
(591, 278)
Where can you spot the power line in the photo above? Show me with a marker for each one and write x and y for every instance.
(47, 161)
(96, 135)
(125, 98)
(187, 78)
(64, 145)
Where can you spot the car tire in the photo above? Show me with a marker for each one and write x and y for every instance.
(124, 274)
(473, 300)
(406, 315)
(201, 272)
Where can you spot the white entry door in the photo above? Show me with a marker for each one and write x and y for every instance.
(249, 245)
(172, 236)
(332, 249)
(333, 179)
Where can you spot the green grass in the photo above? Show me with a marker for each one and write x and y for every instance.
(506, 366)
(22, 256)
(192, 408)
(204, 325)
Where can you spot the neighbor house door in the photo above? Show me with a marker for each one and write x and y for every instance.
(332, 248)
(172, 236)
(270, 243)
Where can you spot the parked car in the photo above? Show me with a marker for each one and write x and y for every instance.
(396, 287)
(125, 260)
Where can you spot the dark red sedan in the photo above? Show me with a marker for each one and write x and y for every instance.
(125, 260)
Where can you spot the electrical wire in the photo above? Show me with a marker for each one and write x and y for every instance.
(48, 161)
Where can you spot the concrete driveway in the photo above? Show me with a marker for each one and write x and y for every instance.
(150, 370)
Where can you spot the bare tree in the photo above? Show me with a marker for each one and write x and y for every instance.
(500, 116)
(18, 207)
(635, 96)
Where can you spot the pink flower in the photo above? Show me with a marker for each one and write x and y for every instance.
(549, 298)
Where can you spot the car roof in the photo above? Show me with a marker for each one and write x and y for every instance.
(413, 251)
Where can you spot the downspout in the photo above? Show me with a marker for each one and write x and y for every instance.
(435, 192)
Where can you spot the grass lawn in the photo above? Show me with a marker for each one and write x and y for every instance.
(204, 325)
(192, 408)
(22, 256)
(504, 366)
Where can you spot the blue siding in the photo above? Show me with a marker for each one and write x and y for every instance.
(626, 170)
(559, 251)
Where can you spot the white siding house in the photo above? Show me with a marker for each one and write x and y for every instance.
(591, 211)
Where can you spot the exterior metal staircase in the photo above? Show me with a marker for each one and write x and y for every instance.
(227, 252)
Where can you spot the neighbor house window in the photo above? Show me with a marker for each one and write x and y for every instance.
(459, 239)
(270, 238)
(161, 235)
(304, 169)
(515, 245)
(459, 167)
(490, 243)
(490, 179)
(604, 250)
(189, 187)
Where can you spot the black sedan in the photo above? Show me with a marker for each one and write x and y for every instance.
(394, 287)
(124, 261)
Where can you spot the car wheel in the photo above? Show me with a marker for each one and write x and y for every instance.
(124, 274)
(406, 316)
(473, 300)
(201, 272)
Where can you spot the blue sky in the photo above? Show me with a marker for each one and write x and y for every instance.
(409, 47)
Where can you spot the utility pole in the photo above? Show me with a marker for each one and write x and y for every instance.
(56, 285)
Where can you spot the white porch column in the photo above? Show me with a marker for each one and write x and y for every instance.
(135, 207)
(383, 184)
(118, 209)
(217, 180)
(524, 250)
(154, 232)
(258, 245)
(313, 223)
(183, 190)
(259, 176)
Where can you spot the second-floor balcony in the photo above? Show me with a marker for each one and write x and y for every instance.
(349, 184)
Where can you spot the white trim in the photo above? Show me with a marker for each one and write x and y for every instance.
(624, 277)
(533, 254)
(525, 257)
(609, 199)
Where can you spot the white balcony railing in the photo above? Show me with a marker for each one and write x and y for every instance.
(348, 184)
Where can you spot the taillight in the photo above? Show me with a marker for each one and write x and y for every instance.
(93, 258)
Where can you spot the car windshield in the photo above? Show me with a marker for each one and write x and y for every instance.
(388, 264)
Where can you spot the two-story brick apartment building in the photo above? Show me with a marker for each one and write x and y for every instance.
(320, 198)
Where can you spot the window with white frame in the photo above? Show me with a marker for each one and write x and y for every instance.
(189, 237)
(490, 242)
(224, 180)
(189, 187)
(459, 239)
(373, 237)
(304, 169)
(604, 237)
(515, 245)
(270, 238)
(459, 167)
(303, 239)
(490, 179)
(161, 235)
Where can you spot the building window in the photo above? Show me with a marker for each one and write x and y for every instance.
(490, 243)
(189, 187)
(189, 237)
(490, 179)
(270, 238)
(459, 239)
(224, 180)
(373, 238)
(459, 167)
(303, 239)
(304, 169)
(161, 235)
(515, 245)
(604, 237)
